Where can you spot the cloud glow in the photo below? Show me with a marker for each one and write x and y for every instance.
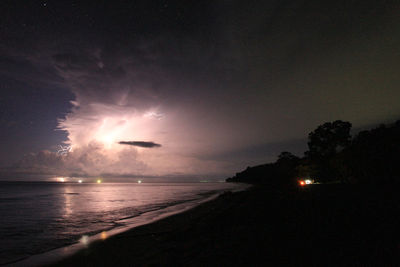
(108, 125)
(214, 97)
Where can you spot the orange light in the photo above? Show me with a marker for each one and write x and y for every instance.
(302, 183)
(104, 235)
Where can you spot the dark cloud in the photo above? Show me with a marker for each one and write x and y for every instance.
(140, 144)
(69, 61)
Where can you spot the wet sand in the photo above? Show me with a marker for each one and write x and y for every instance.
(333, 225)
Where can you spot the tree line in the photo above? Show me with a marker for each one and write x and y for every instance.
(334, 156)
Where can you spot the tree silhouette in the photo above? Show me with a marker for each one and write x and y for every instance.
(286, 156)
(324, 144)
(370, 157)
(328, 139)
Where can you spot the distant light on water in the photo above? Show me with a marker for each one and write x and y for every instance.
(80, 181)
(61, 179)
(99, 181)
(139, 181)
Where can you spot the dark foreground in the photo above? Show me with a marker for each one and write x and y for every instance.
(333, 225)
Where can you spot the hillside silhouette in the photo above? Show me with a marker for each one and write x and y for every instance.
(333, 156)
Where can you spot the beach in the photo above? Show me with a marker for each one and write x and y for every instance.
(322, 225)
(73, 215)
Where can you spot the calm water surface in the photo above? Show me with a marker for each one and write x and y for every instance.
(38, 217)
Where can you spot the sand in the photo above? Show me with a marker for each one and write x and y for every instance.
(320, 226)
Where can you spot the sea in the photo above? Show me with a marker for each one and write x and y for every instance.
(42, 222)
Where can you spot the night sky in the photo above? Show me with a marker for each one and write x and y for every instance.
(187, 88)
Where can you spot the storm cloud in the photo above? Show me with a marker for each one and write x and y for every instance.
(234, 83)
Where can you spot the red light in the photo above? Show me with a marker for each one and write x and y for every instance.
(302, 183)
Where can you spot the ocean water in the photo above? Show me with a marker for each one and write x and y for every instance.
(38, 217)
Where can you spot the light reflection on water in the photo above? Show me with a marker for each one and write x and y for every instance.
(67, 202)
(50, 215)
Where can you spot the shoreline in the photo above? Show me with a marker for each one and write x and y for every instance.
(58, 254)
(322, 226)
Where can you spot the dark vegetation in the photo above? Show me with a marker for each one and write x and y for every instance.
(371, 157)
